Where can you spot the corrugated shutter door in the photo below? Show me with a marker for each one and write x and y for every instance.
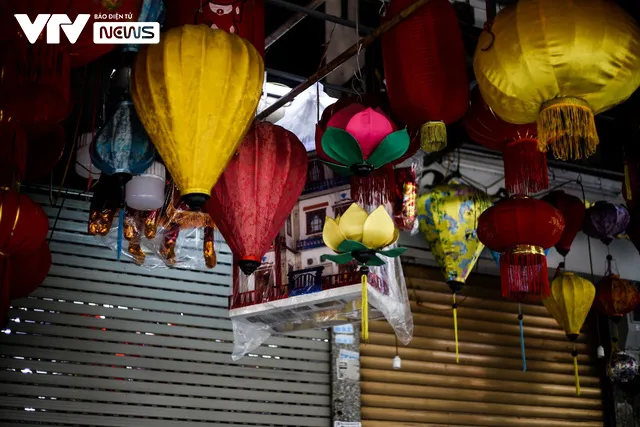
(488, 387)
(103, 343)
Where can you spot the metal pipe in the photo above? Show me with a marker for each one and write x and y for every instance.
(318, 15)
(342, 58)
(291, 22)
(299, 79)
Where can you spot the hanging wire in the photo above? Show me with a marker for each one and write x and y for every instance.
(359, 88)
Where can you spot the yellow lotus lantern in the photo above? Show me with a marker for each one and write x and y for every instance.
(360, 236)
(559, 62)
(569, 303)
(196, 93)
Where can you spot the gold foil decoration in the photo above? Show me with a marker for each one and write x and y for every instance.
(208, 249)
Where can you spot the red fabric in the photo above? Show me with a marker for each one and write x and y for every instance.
(615, 297)
(45, 150)
(242, 17)
(425, 64)
(29, 270)
(489, 130)
(525, 167)
(573, 210)
(258, 189)
(23, 224)
(13, 153)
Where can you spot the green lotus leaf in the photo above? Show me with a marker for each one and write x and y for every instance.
(350, 246)
(337, 258)
(339, 145)
(394, 146)
(392, 253)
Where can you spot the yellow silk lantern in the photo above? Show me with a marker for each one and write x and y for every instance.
(196, 93)
(448, 218)
(559, 62)
(569, 303)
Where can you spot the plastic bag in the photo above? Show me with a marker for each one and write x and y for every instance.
(405, 214)
(302, 115)
(336, 301)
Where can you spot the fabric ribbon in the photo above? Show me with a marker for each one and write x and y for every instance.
(576, 372)
(455, 326)
(365, 306)
(522, 351)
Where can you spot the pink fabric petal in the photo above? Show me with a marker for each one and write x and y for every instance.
(369, 128)
(341, 118)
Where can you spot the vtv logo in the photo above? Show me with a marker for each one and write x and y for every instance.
(54, 23)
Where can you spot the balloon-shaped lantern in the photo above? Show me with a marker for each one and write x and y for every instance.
(525, 166)
(356, 235)
(521, 229)
(573, 211)
(257, 191)
(622, 367)
(530, 66)
(605, 220)
(569, 303)
(448, 218)
(196, 93)
(425, 70)
(615, 296)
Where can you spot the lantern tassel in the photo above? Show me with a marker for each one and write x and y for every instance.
(576, 372)
(433, 136)
(627, 182)
(455, 326)
(568, 126)
(525, 167)
(365, 307)
(523, 273)
(374, 189)
(120, 233)
(522, 352)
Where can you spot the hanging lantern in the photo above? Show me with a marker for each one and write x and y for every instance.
(243, 18)
(569, 303)
(358, 236)
(573, 211)
(196, 93)
(605, 221)
(46, 147)
(151, 11)
(84, 166)
(257, 191)
(35, 79)
(622, 367)
(525, 166)
(425, 70)
(530, 67)
(146, 192)
(13, 153)
(615, 297)
(448, 218)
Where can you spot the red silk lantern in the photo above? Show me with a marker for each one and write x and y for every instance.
(525, 166)
(257, 191)
(521, 229)
(615, 297)
(29, 270)
(13, 153)
(425, 70)
(46, 147)
(242, 17)
(573, 211)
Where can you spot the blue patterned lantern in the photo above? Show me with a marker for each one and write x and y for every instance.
(152, 11)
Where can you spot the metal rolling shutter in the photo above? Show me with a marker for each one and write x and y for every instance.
(103, 343)
(488, 387)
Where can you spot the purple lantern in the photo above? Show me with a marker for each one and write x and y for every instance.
(605, 221)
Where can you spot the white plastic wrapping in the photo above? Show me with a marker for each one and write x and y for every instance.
(387, 295)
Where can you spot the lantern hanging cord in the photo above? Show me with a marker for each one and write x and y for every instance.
(455, 326)
(396, 336)
(357, 84)
(522, 349)
(576, 372)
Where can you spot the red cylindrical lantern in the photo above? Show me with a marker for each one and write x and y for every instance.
(242, 17)
(425, 70)
(521, 229)
(525, 166)
(573, 210)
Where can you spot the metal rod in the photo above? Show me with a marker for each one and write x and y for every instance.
(291, 22)
(318, 15)
(343, 57)
(299, 79)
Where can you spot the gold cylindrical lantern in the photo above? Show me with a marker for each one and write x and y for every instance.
(559, 62)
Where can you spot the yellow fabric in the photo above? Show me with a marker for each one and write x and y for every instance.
(196, 93)
(433, 136)
(365, 310)
(375, 231)
(455, 328)
(542, 50)
(448, 218)
(570, 301)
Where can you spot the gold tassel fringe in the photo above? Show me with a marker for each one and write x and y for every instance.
(568, 126)
(365, 310)
(433, 136)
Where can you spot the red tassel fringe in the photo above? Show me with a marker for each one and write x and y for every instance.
(525, 167)
(524, 277)
(375, 189)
